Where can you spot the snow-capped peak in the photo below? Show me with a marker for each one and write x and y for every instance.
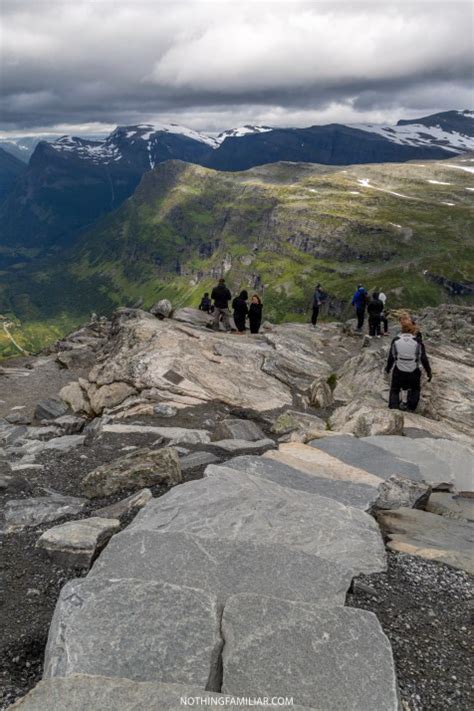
(241, 131)
(145, 131)
(413, 134)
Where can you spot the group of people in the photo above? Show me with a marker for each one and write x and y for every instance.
(375, 306)
(217, 304)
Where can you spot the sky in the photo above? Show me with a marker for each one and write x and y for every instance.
(86, 66)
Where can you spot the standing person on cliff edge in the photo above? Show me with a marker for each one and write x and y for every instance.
(318, 299)
(359, 301)
(221, 297)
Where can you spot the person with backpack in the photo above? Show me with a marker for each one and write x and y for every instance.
(318, 298)
(375, 309)
(255, 314)
(407, 352)
(206, 304)
(241, 310)
(359, 301)
(384, 318)
(221, 297)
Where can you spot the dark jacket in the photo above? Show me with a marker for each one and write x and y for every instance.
(423, 357)
(221, 296)
(318, 297)
(255, 313)
(375, 308)
(240, 307)
(360, 298)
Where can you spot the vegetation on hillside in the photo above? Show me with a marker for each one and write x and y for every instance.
(276, 229)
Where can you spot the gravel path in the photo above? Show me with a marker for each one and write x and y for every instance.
(424, 608)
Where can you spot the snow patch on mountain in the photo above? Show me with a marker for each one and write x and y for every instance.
(94, 151)
(241, 131)
(420, 135)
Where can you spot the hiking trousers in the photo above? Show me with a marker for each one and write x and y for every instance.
(360, 313)
(405, 381)
(314, 315)
(221, 314)
(374, 325)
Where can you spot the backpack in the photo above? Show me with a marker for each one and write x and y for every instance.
(407, 352)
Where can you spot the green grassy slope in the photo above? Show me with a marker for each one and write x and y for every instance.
(276, 229)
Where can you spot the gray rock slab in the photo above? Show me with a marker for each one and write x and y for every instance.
(42, 433)
(242, 445)
(164, 410)
(125, 506)
(197, 459)
(139, 630)
(12, 433)
(364, 455)
(451, 505)
(50, 408)
(238, 429)
(177, 434)
(223, 567)
(64, 443)
(439, 460)
(360, 496)
(137, 469)
(430, 536)
(76, 543)
(82, 692)
(398, 491)
(23, 513)
(17, 418)
(248, 508)
(334, 659)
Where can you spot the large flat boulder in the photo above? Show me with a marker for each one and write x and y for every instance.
(364, 455)
(247, 508)
(197, 459)
(135, 470)
(144, 631)
(223, 567)
(359, 495)
(82, 692)
(75, 543)
(25, 513)
(439, 460)
(332, 659)
(430, 536)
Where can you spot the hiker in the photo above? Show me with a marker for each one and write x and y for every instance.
(241, 310)
(206, 304)
(221, 297)
(359, 301)
(384, 318)
(318, 298)
(374, 310)
(406, 353)
(255, 314)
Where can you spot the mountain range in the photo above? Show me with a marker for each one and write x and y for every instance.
(71, 182)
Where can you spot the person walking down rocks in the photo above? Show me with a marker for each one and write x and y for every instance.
(318, 298)
(375, 310)
(384, 319)
(255, 314)
(407, 352)
(206, 304)
(221, 297)
(241, 310)
(359, 301)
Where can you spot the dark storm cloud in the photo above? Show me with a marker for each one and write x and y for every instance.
(213, 65)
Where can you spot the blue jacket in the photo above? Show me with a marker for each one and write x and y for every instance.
(360, 298)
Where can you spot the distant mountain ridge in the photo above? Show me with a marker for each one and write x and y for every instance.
(71, 182)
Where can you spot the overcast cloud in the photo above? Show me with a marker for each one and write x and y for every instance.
(88, 65)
